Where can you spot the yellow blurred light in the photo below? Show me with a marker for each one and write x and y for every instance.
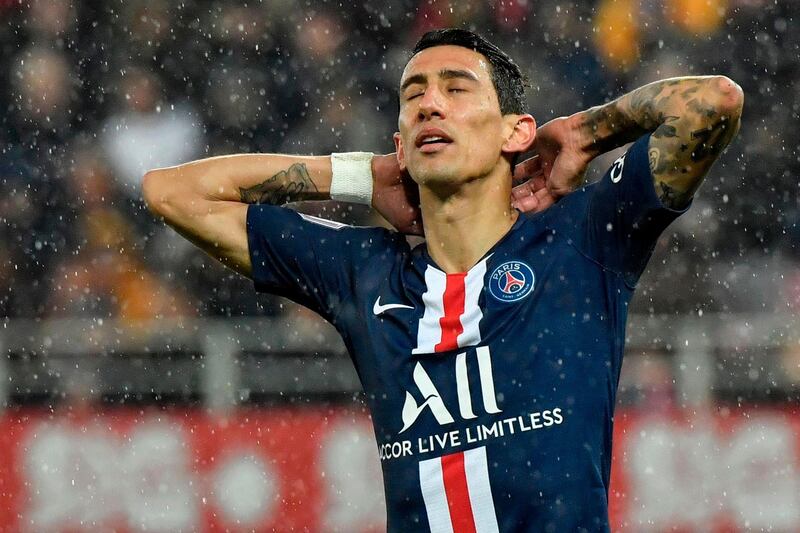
(698, 17)
(617, 33)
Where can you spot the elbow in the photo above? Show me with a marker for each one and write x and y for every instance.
(154, 190)
(728, 97)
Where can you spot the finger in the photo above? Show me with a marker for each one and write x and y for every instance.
(531, 186)
(527, 169)
(526, 203)
(538, 183)
(544, 199)
(539, 201)
(523, 191)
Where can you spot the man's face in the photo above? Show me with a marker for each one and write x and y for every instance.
(451, 127)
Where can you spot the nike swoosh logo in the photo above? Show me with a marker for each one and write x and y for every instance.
(377, 309)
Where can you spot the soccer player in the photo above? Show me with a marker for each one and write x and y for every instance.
(489, 354)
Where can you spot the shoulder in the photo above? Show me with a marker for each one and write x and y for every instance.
(283, 224)
(368, 235)
(566, 214)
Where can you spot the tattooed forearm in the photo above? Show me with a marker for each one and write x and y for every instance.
(612, 125)
(608, 127)
(692, 120)
(291, 185)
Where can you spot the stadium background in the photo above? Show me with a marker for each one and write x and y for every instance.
(147, 388)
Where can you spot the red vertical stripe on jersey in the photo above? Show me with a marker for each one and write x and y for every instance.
(455, 486)
(454, 296)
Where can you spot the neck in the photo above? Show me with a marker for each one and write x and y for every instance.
(462, 225)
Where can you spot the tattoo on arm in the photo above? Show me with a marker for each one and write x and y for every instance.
(710, 141)
(680, 156)
(654, 156)
(291, 185)
(608, 128)
(692, 120)
(673, 197)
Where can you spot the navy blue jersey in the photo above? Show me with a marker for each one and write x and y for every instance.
(492, 391)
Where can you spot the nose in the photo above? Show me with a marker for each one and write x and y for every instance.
(431, 104)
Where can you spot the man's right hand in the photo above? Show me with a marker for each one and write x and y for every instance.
(395, 195)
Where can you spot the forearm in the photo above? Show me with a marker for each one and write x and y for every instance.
(247, 178)
(665, 108)
(205, 200)
(692, 120)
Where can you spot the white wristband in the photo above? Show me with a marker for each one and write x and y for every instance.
(352, 177)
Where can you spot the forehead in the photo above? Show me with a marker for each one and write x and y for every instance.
(432, 60)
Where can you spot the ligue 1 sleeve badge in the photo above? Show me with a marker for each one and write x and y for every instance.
(511, 281)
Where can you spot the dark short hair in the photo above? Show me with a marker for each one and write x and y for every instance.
(507, 78)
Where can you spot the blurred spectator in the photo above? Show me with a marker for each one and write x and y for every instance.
(148, 132)
(42, 85)
(105, 279)
(240, 97)
(50, 20)
(148, 23)
(512, 15)
(320, 38)
(106, 276)
(340, 121)
(441, 13)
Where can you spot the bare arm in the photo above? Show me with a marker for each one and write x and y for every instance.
(692, 119)
(206, 200)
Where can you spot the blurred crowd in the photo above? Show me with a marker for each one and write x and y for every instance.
(95, 93)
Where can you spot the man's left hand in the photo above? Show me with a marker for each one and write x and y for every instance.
(531, 195)
(558, 168)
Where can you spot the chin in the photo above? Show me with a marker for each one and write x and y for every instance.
(433, 172)
(432, 178)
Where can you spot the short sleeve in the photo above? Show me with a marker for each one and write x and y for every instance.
(309, 260)
(625, 215)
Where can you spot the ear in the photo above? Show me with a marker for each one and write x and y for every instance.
(401, 153)
(522, 135)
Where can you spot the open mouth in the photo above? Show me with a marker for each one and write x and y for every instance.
(432, 141)
(433, 146)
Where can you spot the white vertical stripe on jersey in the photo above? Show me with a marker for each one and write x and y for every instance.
(430, 332)
(487, 381)
(462, 384)
(470, 320)
(480, 492)
(431, 480)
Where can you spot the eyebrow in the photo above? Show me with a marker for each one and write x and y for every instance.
(445, 73)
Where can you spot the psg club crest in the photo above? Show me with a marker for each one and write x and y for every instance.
(511, 281)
